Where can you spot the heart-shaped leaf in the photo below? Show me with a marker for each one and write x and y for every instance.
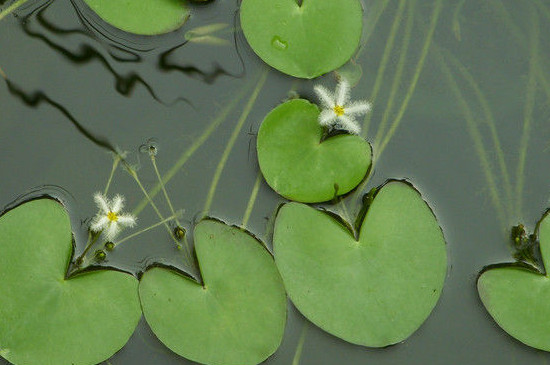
(518, 296)
(145, 17)
(298, 166)
(237, 317)
(375, 290)
(46, 318)
(304, 40)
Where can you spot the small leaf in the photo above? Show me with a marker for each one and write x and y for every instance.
(47, 319)
(298, 166)
(145, 17)
(303, 39)
(237, 317)
(375, 290)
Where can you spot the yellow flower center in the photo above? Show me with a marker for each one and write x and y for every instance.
(113, 217)
(339, 110)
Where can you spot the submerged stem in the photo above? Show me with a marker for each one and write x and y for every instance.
(300, 345)
(188, 153)
(399, 72)
(384, 62)
(10, 9)
(528, 111)
(490, 120)
(416, 76)
(477, 138)
(252, 199)
(232, 140)
(521, 40)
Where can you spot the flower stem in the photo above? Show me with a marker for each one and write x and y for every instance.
(89, 243)
(134, 175)
(133, 235)
(232, 140)
(153, 161)
(11, 8)
(116, 161)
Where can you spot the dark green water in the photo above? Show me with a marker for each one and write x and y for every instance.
(75, 84)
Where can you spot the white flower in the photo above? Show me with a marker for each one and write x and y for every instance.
(109, 220)
(338, 112)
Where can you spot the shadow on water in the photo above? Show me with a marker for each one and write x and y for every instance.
(92, 41)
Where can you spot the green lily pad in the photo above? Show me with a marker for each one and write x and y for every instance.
(518, 296)
(298, 166)
(46, 318)
(145, 17)
(375, 290)
(237, 317)
(305, 40)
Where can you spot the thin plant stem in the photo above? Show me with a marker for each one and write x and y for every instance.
(490, 120)
(11, 8)
(544, 10)
(134, 175)
(232, 140)
(528, 111)
(188, 153)
(419, 67)
(168, 201)
(133, 235)
(399, 72)
(116, 161)
(3, 74)
(371, 22)
(252, 199)
(300, 345)
(522, 41)
(477, 139)
(89, 244)
(384, 61)
(455, 22)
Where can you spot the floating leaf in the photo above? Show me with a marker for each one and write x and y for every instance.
(298, 166)
(375, 290)
(237, 317)
(303, 39)
(146, 17)
(46, 318)
(518, 296)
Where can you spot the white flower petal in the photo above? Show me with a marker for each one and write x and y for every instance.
(348, 124)
(358, 108)
(325, 96)
(112, 231)
(342, 92)
(117, 204)
(101, 202)
(127, 220)
(327, 117)
(99, 223)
